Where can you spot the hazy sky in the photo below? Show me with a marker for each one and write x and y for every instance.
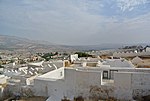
(77, 22)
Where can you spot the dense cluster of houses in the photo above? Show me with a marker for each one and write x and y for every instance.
(92, 78)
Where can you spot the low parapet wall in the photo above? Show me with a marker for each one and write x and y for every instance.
(130, 54)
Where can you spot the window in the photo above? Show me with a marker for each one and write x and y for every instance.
(61, 74)
(105, 74)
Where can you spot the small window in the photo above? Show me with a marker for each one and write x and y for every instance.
(105, 74)
(61, 74)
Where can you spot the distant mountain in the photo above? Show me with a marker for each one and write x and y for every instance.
(18, 44)
(14, 43)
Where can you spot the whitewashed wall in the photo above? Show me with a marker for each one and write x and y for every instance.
(2, 79)
(80, 82)
(148, 49)
(75, 83)
(122, 86)
(88, 83)
(74, 57)
(131, 85)
(55, 74)
(140, 84)
(130, 54)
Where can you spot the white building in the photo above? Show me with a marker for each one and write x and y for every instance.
(88, 83)
(73, 57)
(136, 60)
(132, 54)
(110, 78)
(3, 79)
(118, 63)
(67, 82)
(147, 49)
(37, 64)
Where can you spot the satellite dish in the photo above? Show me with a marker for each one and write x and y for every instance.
(37, 69)
(32, 68)
(16, 71)
(36, 73)
(55, 66)
(49, 65)
(30, 72)
(14, 64)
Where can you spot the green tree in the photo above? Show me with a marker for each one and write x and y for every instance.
(1, 66)
(83, 54)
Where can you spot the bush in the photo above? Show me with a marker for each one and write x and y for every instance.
(1, 66)
(82, 54)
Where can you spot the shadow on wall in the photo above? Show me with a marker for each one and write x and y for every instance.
(80, 98)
